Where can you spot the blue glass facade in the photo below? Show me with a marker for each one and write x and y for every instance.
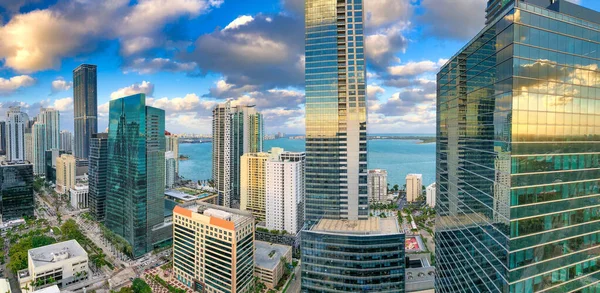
(98, 172)
(135, 191)
(85, 103)
(518, 203)
(336, 127)
(16, 191)
(339, 262)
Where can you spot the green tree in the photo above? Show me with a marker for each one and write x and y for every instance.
(140, 286)
(396, 187)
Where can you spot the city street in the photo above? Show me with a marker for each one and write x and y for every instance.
(295, 284)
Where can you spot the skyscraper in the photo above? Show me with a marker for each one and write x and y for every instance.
(3, 138)
(377, 185)
(98, 172)
(236, 130)
(246, 137)
(284, 192)
(414, 186)
(86, 107)
(136, 171)
(66, 141)
(17, 199)
(517, 153)
(221, 152)
(172, 145)
(343, 250)
(51, 118)
(170, 169)
(38, 146)
(336, 113)
(252, 183)
(16, 122)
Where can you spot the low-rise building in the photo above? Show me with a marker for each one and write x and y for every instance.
(59, 264)
(213, 248)
(269, 267)
(79, 196)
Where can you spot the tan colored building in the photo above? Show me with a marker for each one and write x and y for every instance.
(252, 182)
(268, 267)
(414, 186)
(213, 248)
(65, 173)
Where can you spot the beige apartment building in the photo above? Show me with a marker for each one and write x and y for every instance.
(252, 182)
(269, 267)
(213, 248)
(65, 173)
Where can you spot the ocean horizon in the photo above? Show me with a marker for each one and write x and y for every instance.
(398, 157)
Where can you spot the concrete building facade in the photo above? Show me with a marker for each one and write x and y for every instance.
(414, 186)
(65, 173)
(269, 267)
(79, 194)
(377, 185)
(66, 263)
(430, 192)
(213, 248)
(284, 192)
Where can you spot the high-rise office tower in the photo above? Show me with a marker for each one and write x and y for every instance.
(172, 145)
(51, 118)
(2, 137)
(98, 172)
(246, 137)
(517, 153)
(284, 191)
(377, 185)
(51, 157)
(38, 147)
(236, 130)
(336, 113)
(85, 100)
(221, 152)
(16, 124)
(213, 248)
(66, 141)
(17, 199)
(343, 250)
(136, 171)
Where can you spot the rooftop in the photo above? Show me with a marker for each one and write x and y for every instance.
(56, 252)
(234, 216)
(371, 226)
(51, 289)
(80, 187)
(268, 255)
(180, 195)
(4, 285)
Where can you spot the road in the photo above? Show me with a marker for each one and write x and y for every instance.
(296, 282)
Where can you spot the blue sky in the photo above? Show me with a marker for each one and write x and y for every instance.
(188, 55)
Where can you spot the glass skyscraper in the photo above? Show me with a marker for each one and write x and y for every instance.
(98, 169)
(336, 113)
(85, 100)
(343, 250)
(16, 191)
(136, 171)
(518, 204)
(236, 130)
